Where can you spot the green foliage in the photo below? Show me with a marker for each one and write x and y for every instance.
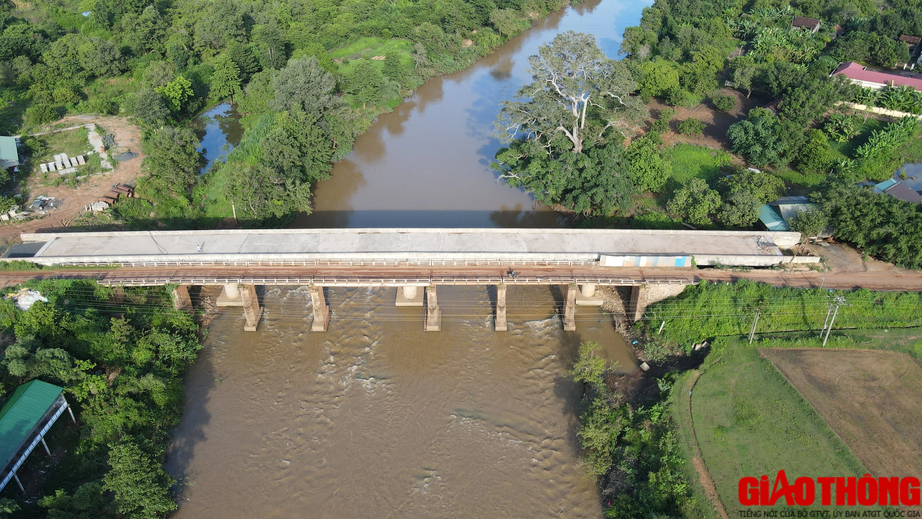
(649, 169)
(762, 138)
(633, 451)
(815, 156)
(569, 76)
(655, 220)
(695, 202)
(691, 127)
(139, 482)
(811, 222)
(41, 113)
(225, 82)
(589, 368)
(841, 127)
(365, 82)
(882, 226)
(885, 141)
(172, 158)
(712, 310)
(724, 103)
(690, 161)
(123, 364)
(148, 108)
(304, 85)
(176, 93)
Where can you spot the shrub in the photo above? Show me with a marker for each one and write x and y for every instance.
(724, 103)
(692, 127)
(41, 114)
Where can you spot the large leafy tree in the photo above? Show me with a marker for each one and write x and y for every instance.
(562, 147)
(139, 482)
(225, 82)
(304, 85)
(570, 77)
(172, 159)
(695, 202)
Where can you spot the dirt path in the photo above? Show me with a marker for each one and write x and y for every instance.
(697, 458)
(716, 123)
(127, 136)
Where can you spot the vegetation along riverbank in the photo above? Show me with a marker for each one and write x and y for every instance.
(714, 408)
(329, 69)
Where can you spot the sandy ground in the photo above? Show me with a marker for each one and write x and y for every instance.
(127, 136)
(871, 399)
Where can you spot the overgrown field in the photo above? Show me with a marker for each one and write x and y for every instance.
(711, 310)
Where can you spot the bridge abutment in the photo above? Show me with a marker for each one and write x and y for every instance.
(251, 309)
(500, 320)
(433, 312)
(569, 309)
(321, 310)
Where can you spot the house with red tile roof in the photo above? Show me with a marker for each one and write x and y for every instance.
(861, 75)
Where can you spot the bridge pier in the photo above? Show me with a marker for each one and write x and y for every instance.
(409, 295)
(638, 302)
(321, 310)
(587, 297)
(181, 299)
(251, 309)
(569, 309)
(500, 320)
(433, 313)
(229, 296)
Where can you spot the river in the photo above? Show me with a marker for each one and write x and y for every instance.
(376, 418)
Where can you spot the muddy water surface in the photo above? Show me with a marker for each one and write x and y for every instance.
(376, 418)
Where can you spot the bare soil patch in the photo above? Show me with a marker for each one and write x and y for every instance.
(871, 399)
(127, 138)
(716, 123)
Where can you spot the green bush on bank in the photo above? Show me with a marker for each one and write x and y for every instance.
(633, 451)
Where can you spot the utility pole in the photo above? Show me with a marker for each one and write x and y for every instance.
(755, 321)
(839, 302)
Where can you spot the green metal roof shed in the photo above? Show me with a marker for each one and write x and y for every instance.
(9, 155)
(28, 414)
(771, 219)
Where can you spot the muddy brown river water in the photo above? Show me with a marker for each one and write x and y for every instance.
(376, 418)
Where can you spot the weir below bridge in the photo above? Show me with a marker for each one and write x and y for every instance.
(416, 261)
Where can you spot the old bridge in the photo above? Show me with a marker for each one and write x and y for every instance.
(414, 260)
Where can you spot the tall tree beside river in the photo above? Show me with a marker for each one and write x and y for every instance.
(572, 117)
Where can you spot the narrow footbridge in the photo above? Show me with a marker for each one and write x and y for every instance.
(412, 259)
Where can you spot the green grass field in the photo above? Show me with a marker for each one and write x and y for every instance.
(749, 421)
(689, 161)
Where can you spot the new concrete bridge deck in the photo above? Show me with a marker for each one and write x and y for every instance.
(628, 248)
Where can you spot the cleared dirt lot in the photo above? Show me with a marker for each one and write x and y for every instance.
(871, 399)
(127, 137)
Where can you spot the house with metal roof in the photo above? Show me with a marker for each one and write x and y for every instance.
(24, 420)
(9, 154)
(862, 76)
(805, 24)
(896, 189)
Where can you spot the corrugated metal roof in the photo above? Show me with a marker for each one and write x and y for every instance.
(903, 192)
(22, 413)
(8, 149)
(772, 220)
(885, 185)
(857, 72)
